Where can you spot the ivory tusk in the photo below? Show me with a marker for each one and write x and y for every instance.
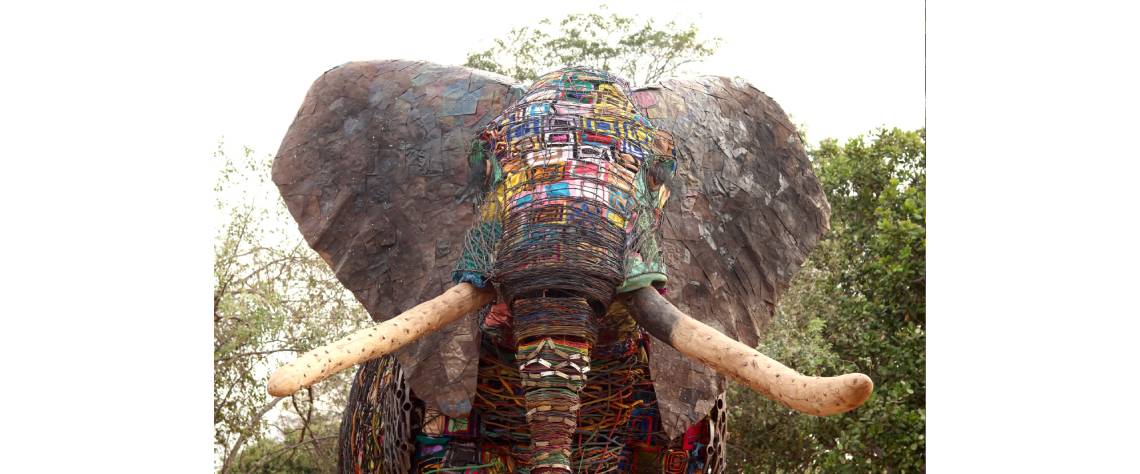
(383, 338)
(820, 396)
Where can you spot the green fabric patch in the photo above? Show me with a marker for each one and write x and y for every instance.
(641, 281)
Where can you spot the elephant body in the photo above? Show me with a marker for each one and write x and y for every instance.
(408, 176)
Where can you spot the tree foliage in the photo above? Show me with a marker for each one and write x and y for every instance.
(858, 304)
(640, 51)
(273, 297)
(314, 453)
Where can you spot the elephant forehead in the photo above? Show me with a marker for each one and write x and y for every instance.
(575, 134)
(576, 109)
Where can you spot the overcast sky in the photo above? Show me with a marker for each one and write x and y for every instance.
(840, 68)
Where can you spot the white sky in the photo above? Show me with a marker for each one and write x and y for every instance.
(840, 68)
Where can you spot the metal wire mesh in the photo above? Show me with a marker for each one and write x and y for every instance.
(575, 178)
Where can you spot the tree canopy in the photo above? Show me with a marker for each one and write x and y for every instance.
(641, 51)
(273, 297)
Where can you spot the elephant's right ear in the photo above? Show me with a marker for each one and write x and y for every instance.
(375, 170)
(746, 209)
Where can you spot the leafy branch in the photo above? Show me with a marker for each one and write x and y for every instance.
(638, 50)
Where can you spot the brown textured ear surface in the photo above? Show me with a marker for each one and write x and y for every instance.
(746, 211)
(374, 169)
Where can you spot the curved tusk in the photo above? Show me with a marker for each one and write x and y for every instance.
(383, 338)
(820, 396)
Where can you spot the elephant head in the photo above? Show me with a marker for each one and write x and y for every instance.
(445, 196)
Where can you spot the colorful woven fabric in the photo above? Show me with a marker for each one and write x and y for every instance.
(574, 174)
(377, 429)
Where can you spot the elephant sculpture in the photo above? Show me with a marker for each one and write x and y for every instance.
(562, 276)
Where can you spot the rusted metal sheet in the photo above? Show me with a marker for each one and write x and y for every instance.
(745, 212)
(372, 169)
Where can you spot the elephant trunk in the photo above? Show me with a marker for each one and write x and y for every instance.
(555, 336)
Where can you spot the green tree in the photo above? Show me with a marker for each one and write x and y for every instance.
(273, 297)
(637, 50)
(858, 304)
(271, 456)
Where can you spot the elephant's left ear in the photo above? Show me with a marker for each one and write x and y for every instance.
(375, 169)
(746, 209)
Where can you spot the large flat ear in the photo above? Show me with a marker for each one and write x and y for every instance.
(746, 211)
(374, 169)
